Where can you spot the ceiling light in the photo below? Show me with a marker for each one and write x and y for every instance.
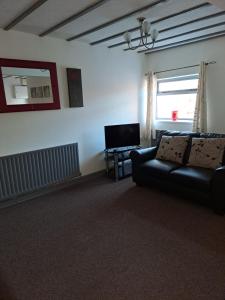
(145, 32)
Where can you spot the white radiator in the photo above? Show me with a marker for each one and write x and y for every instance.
(30, 171)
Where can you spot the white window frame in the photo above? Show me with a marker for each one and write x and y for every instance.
(176, 92)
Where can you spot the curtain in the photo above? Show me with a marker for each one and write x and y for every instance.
(200, 115)
(151, 94)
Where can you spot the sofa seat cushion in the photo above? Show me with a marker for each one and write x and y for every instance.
(158, 168)
(193, 177)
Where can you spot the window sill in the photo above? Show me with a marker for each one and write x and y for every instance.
(174, 122)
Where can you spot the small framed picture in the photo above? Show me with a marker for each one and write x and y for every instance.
(39, 92)
(46, 91)
(33, 92)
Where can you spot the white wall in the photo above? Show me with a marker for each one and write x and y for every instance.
(212, 50)
(111, 89)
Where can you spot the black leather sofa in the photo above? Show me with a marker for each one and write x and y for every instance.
(204, 185)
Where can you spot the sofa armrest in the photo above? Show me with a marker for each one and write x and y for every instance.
(219, 178)
(218, 189)
(142, 155)
(220, 171)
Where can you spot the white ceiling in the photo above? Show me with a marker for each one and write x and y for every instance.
(55, 11)
(219, 3)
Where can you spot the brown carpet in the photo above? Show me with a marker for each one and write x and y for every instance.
(105, 240)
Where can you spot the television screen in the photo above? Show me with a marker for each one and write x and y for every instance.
(122, 135)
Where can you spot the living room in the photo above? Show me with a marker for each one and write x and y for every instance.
(92, 237)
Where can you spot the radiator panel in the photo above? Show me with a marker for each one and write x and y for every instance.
(30, 171)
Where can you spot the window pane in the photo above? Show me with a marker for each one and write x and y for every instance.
(183, 103)
(178, 85)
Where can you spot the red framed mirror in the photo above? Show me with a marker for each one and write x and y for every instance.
(27, 85)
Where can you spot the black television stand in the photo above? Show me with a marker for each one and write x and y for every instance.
(118, 163)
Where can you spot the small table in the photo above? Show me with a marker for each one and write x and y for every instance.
(119, 157)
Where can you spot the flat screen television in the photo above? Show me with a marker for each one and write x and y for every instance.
(122, 135)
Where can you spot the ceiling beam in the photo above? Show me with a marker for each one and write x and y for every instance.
(153, 22)
(181, 34)
(74, 17)
(114, 36)
(222, 13)
(26, 13)
(134, 12)
(186, 42)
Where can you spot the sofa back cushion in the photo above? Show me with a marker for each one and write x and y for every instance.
(161, 133)
(189, 134)
(214, 135)
(172, 148)
(207, 152)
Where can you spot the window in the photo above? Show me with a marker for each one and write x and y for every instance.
(176, 98)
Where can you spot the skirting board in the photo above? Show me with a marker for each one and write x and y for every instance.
(50, 189)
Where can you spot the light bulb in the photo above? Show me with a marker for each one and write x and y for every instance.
(154, 35)
(127, 37)
(146, 26)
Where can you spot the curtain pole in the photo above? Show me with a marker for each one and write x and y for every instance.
(181, 68)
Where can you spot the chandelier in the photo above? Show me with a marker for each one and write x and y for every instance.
(145, 32)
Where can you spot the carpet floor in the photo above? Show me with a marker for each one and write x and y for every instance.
(101, 240)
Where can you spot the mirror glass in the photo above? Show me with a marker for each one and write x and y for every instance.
(27, 86)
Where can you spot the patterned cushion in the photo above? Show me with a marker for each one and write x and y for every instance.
(207, 152)
(172, 148)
